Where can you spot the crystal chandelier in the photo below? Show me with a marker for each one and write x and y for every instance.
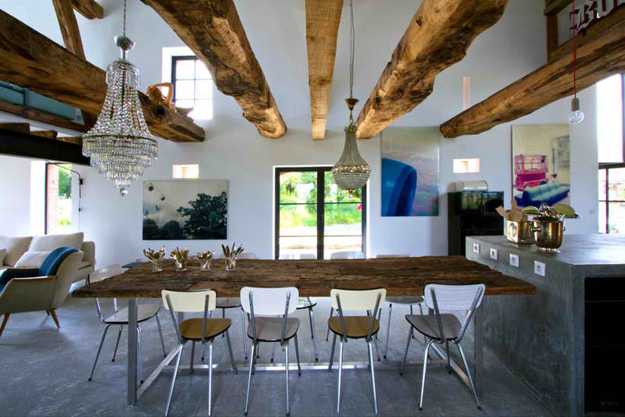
(351, 172)
(120, 144)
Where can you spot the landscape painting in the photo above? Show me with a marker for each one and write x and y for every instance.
(541, 158)
(185, 210)
(410, 171)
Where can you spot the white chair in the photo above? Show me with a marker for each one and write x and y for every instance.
(347, 254)
(268, 310)
(203, 330)
(410, 301)
(355, 327)
(445, 328)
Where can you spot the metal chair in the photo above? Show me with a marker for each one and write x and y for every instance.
(355, 327)
(119, 318)
(305, 303)
(195, 330)
(264, 307)
(444, 329)
(410, 301)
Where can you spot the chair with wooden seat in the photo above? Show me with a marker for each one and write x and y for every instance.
(355, 327)
(445, 328)
(268, 310)
(194, 330)
(409, 301)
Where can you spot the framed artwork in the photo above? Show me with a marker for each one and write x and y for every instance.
(541, 161)
(410, 171)
(185, 210)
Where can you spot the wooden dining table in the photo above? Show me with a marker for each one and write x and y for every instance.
(405, 276)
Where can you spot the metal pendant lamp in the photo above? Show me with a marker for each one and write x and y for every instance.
(120, 144)
(351, 172)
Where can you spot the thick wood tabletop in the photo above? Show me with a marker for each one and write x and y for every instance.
(400, 276)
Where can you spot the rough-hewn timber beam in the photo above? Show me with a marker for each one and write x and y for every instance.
(322, 25)
(213, 31)
(600, 53)
(33, 61)
(556, 6)
(438, 36)
(88, 8)
(69, 27)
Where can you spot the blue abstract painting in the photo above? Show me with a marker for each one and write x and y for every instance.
(410, 169)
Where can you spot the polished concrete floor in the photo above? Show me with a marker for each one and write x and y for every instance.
(44, 371)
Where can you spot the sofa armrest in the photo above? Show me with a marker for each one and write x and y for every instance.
(88, 250)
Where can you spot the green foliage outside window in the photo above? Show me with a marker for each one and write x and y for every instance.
(65, 183)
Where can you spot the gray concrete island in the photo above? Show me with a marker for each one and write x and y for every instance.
(566, 342)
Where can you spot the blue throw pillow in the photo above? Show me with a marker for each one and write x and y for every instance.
(52, 262)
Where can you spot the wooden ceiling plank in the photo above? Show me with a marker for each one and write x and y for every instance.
(16, 127)
(600, 53)
(437, 37)
(48, 134)
(41, 116)
(553, 7)
(33, 61)
(322, 25)
(88, 8)
(69, 27)
(213, 31)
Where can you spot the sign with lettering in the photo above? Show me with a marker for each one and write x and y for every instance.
(592, 10)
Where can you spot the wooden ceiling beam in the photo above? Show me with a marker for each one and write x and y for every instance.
(600, 53)
(553, 7)
(33, 61)
(41, 116)
(69, 27)
(437, 37)
(322, 25)
(213, 31)
(88, 8)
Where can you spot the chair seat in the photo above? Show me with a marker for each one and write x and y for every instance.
(304, 303)
(357, 326)
(192, 329)
(228, 303)
(144, 312)
(269, 329)
(405, 300)
(428, 325)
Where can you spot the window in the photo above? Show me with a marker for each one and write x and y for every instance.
(61, 208)
(611, 150)
(193, 86)
(314, 218)
(186, 171)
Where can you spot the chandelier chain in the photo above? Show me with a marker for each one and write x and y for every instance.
(124, 20)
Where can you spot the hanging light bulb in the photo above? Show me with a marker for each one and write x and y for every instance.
(120, 144)
(351, 172)
(577, 115)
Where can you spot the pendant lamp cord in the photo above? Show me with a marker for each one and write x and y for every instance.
(351, 102)
(124, 20)
(574, 40)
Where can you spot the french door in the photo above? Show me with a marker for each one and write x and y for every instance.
(313, 217)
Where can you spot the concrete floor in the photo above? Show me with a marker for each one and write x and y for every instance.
(44, 373)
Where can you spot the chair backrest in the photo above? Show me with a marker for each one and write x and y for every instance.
(269, 301)
(189, 301)
(65, 276)
(347, 254)
(357, 300)
(465, 298)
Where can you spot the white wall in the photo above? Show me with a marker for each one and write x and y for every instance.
(233, 149)
(14, 196)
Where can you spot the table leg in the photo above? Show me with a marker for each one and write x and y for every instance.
(477, 340)
(133, 338)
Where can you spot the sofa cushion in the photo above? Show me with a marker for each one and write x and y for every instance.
(15, 247)
(51, 242)
(32, 259)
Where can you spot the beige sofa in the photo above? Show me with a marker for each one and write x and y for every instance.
(29, 251)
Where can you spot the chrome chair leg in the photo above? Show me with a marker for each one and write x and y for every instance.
(192, 357)
(286, 376)
(377, 349)
(299, 367)
(375, 397)
(312, 333)
(338, 396)
(173, 381)
(273, 352)
(97, 355)
(388, 329)
(403, 363)
(232, 363)
(244, 333)
(466, 367)
(160, 334)
(139, 356)
(249, 377)
(119, 336)
(425, 368)
(332, 353)
(210, 376)
(328, 331)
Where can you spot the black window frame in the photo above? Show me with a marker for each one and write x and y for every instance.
(607, 166)
(174, 61)
(320, 170)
